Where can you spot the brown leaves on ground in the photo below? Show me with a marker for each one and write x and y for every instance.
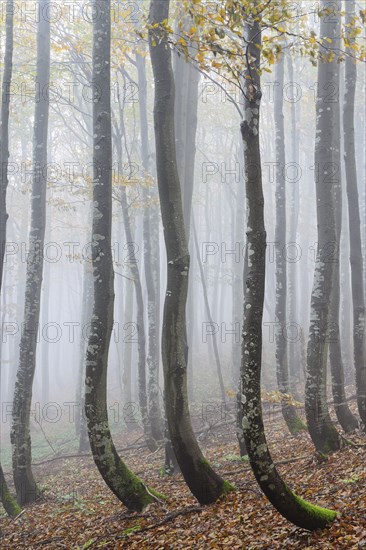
(79, 512)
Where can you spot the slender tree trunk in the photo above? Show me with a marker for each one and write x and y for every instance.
(294, 349)
(140, 309)
(209, 316)
(9, 503)
(151, 269)
(186, 78)
(356, 256)
(345, 417)
(294, 423)
(129, 406)
(140, 318)
(322, 430)
(204, 483)
(124, 484)
(20, 434)
(292, 507)
(4, 131)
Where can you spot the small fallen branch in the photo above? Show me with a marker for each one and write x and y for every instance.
(18, 516)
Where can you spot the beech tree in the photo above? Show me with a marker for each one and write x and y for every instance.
(321, 428)
(25, 484)
(135, 273)
(291, 506)
(152, 263)
(6, 498)
(294, 423)
(206, 485)
(356, 255)
(124, 484)
(344, 415)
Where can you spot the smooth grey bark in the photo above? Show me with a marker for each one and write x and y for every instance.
(344, 415)
(4, 130)
(294, 423)
(9, 503)
(187, 78)
(321, 428)
(293, 301)
(25, 484)
(292, 507)
(122, 482)
(151, 265)
(356, 255)
(205, 484)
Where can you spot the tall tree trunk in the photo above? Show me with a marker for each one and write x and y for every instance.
(292, 507)
(294, 347)
(120, 133)
(294, 423)
(124, 484)
(20, 434)
(204, 483)
(238, 298)
(356, 256)
(151, 263)
(129, 406)
(322, 430)
(4, 130)
(345, 417)
(141, 339)
(7, 500)
(186, 78)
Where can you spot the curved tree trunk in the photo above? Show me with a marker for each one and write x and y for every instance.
(9, 503)
(292, 507)
(294, 423)
(7, 500)
(124, 484)
(204, 483)
(322, 430)
(20, 434)
(356, 256)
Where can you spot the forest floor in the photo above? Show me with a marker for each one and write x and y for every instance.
(77, 511)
